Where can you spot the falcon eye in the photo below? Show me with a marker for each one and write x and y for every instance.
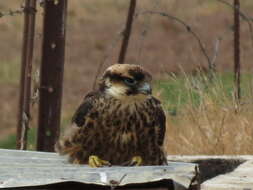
(129, 81)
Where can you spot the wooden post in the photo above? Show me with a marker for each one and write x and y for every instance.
(237, 68)
(52, 68)
(127, 32)
(26, 74)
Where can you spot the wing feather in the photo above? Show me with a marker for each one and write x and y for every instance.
(160, 122)
(84, 109)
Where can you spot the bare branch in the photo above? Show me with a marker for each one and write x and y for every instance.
(144, 32)
(127, 32)
(24, 129)
(216, 51)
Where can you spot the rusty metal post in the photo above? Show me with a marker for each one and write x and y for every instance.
(127, 31)
(26, 72)
(237, 69)
(52, 68)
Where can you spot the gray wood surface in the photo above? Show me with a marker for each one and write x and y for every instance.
(29, 168)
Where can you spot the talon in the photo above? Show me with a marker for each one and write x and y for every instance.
(95, 161)
(136, 161)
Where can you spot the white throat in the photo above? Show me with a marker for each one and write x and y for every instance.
(116, 92)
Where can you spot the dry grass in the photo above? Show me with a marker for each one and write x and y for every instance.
(216, 124)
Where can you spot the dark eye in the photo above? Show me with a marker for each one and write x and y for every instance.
(129, 81)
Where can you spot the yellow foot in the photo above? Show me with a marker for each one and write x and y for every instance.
(136, 161)
(95, 161)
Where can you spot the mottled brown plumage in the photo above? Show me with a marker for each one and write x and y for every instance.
(119, 121)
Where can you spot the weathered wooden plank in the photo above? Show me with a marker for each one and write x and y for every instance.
(28, 168)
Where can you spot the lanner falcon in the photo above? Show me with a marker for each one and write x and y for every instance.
(119, 124)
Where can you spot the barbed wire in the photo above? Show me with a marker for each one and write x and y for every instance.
(243, 15)
(18, 11)
(12, 12)
(210, 60)
(147, 27)
(111, 46)
(188, 29)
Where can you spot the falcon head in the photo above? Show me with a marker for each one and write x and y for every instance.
(126, 81)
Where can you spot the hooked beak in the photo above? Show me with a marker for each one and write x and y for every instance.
(145, 89)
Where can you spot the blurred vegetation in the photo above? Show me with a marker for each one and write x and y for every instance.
(10, 141)
(178, 92)
(9, 73)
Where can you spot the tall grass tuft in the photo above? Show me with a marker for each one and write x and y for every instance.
(203, 117)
